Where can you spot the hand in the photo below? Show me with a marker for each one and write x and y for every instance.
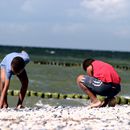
(20, 107)
(5, 105)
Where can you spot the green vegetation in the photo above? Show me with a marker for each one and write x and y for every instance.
(70, 55)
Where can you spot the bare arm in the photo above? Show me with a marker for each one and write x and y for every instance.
(4, 93)
(4, 85)
(24, 82)
(90, 70)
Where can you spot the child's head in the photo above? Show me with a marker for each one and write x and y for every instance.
(86, 63)
(17, 65)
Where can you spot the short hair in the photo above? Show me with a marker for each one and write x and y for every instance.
(86, 63)
(17, 64)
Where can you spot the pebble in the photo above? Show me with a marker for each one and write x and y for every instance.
(66, 118)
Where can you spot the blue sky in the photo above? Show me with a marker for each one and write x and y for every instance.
(82, 24)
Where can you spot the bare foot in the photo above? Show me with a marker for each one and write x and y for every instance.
(112, 102)
(20, 107)
(5, 106)
(96, 104)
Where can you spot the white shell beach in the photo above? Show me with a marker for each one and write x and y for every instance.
(66, 118)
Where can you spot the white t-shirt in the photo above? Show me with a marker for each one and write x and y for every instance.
(6, 62)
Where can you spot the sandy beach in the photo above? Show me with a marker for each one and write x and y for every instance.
(66, 118)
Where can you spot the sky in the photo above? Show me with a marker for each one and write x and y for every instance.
(78, 24)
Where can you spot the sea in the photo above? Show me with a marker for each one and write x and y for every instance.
(54, 70)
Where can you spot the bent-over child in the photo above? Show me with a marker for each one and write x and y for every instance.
(13, 64)
(101, 79)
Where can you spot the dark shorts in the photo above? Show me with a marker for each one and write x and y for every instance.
(101, 88)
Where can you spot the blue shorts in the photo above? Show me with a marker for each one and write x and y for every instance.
(101, 88)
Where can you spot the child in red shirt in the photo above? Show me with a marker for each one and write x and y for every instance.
(101, 79)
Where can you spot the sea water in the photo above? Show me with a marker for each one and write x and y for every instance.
(62, 79)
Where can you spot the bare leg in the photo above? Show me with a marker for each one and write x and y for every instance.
(94, 101)
(24, 81)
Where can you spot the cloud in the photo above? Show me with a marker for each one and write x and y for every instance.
(106, 8)
(27, 6)
(43, 6)
(123, 33)
(31, 6)
(13, 29)
(68, 28)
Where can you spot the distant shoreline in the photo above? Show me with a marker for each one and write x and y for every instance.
(78, 49)
(78, 54)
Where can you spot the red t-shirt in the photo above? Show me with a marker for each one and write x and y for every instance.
(105, 72)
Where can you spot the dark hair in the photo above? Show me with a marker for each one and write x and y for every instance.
(17, 64)
(86, 63)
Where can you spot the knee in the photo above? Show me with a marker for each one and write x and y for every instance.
(79, 78)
